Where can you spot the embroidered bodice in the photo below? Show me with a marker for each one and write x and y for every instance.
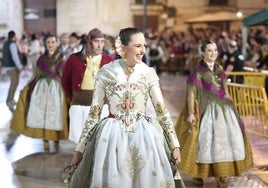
(127, 99)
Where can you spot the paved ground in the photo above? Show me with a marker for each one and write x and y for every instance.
(24, 164)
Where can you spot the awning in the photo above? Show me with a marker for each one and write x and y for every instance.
(258, 18)
(216, 17)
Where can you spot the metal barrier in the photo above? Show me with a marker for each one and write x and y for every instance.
(174, 64)
(252, 105)
(250, 78)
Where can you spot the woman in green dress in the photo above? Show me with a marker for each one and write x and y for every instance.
(42, 110)
(210, 131)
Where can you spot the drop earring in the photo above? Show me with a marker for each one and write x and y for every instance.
(124, 57)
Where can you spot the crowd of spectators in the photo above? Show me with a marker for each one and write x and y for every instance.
(179, 47)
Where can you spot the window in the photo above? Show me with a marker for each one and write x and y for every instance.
(147, 1)
(218, 2)
(49, 13)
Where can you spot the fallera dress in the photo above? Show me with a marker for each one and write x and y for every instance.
(128, 148)
(216, 145)
(42, 108)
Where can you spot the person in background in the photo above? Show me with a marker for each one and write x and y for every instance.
(42, 110)
(263, 66)
(78, 80)
(234, 61)
(155, 53)
(64, 47)
(74, 43)
(127, 149)
(23, 48)
(254, 52)
(34, 52)
(109, 46)
(210, 131)
(12, 63)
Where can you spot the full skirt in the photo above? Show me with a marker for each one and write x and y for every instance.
(46, 106)
(18, 123)
(115, 158)
(217, 165)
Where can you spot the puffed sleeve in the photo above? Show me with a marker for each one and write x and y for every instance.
(94, 113)
(161, 110)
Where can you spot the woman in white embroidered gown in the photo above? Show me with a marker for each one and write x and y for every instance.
(127, 149)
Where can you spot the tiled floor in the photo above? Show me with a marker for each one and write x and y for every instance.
(24, 164)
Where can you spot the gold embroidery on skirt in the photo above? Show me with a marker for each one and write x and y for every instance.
(133, 162)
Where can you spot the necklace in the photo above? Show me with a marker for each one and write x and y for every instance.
(92, 66)
(125, 66)
(210, 65)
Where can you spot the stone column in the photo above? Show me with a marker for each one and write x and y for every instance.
(11, 17)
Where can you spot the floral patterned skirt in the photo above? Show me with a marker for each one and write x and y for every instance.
(220, 137)
(115, 158)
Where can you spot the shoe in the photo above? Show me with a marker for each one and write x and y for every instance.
(198, 181)
(56, 145)
(221, 182)
(46, 145)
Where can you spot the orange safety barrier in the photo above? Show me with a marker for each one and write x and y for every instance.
(252, 105)
(250, 78)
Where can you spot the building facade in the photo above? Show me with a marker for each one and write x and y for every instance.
(59, 16)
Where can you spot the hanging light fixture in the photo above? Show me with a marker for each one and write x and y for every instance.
(239, 14)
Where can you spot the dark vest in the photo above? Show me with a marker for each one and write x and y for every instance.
(7, 58)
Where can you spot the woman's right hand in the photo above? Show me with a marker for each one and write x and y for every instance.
(191, 119)
(77, 157)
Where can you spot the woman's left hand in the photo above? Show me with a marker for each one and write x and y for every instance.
(176, 156)
(191, 119)
(227, 97)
